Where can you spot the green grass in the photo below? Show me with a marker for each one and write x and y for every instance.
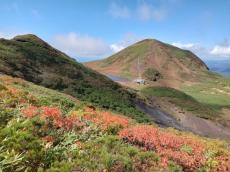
(182, 100)
(214, 93)
(131, 53)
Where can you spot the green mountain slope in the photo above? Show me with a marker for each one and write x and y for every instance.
(171, 63)
(32, 59)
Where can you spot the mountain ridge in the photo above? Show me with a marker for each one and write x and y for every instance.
(30, 58)
(172, 62)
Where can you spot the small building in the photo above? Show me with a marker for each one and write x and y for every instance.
(139, 81)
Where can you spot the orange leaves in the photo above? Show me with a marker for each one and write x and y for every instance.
(53, 118)
(167, 145)
(30, 111)
(224, 164)
(52, 115)
(105, 119)
(53, 112)
(108, 119)
(13, 91)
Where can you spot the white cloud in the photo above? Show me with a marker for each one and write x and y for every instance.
(186, 46)
(222, 51)
(119, 11)
(194, 47)
(148, 12)
(116, 47)
(78, 45)
(127, 40)
(217, 52)
(10, 35)
(198, 49)
(144, 11)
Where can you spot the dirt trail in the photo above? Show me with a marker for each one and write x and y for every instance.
(190, 123)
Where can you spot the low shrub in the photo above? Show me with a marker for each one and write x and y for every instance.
(152, 74)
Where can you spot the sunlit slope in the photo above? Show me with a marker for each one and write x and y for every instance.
(152, 57)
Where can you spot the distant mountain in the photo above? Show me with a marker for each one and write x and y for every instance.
(219, 66)
(32, 59)
(153, 60)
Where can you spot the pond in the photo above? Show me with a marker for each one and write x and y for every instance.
(117, 78)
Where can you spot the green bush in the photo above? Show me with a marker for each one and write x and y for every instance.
(2, 87)
(108, 152)
(152, 74)
(14, 137)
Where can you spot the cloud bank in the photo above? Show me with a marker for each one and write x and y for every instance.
(10, 35)
(221, 51)
(78, 45)
(127, 40)
(144, 11)
(118, 11)
(148, 12)
(216, 52)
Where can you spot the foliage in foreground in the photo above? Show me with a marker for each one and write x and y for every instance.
(44, 130)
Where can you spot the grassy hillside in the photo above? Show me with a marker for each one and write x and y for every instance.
(44, 130)
(215, 93)
(182, 100)
(32, 59)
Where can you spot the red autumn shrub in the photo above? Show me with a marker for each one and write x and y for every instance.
(30, 111)
(169, 146)
(105, 119)
(53, 112)
(13, 91)
(223, 164)
(52, 115)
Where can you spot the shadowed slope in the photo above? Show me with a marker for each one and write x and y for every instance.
(30, 58)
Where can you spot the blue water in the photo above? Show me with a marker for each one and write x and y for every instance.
(117, 78)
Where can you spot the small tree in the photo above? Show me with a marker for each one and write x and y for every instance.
(152, 74)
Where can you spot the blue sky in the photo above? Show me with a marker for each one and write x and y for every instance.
(93, 29)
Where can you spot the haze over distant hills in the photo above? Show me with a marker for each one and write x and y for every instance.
(220, 66)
